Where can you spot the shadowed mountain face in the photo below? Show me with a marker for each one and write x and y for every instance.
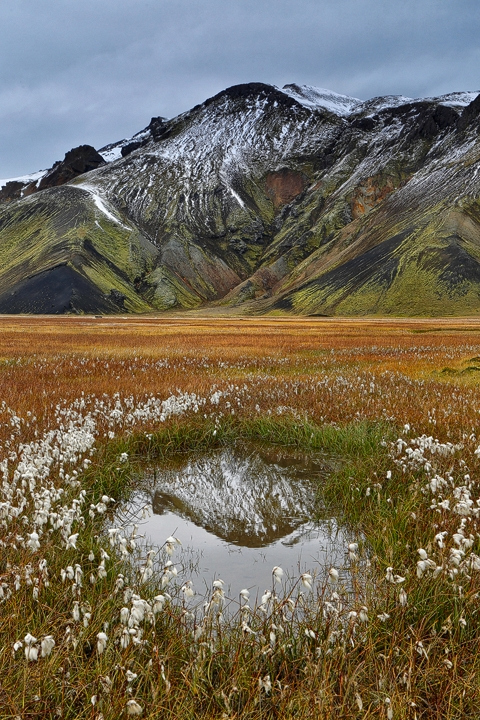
(263, 199)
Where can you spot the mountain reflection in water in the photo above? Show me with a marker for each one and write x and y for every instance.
(238, 512)
(248, 497)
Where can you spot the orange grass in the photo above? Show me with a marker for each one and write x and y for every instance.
(418, 365)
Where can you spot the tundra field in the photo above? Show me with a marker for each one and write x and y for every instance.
(86, 403)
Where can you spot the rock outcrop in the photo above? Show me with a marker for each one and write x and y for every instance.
(80, 160)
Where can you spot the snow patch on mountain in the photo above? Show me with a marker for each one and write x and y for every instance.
(236, 196)
(100, 204)
(383, 102)
(113, 151)
(455, 99)
(25, 179)
(322, 99)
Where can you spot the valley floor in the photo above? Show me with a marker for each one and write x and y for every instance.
(85, 402)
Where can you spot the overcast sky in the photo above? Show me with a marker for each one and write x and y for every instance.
(96, 71)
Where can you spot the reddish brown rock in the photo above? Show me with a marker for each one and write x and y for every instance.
(372, 191)
(283, 186)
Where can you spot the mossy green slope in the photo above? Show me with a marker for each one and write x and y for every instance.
(421, 260)
(63, 226)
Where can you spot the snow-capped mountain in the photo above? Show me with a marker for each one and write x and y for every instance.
(295, 199)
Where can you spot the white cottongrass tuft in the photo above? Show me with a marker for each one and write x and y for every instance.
(265, 684)
(133, 708)
(277, 573)
(102, 640)
(306, 580)
(383, 617)
(31, 650)
(72, 542)
(333, 575)
(187, 589)
(33, 542)
(47, 645)
(158, 603)
(170, 543)
(363, 614)
(266, 597)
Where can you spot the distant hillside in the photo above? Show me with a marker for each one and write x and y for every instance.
(268, 200)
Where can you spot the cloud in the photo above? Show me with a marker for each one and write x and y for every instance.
(74, 71)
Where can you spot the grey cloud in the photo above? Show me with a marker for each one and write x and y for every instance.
(74, 71)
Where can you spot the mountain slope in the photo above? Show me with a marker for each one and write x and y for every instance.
(296, 200)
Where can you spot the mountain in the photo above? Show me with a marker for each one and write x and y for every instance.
(262, 199)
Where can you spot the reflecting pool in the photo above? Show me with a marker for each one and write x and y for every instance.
(238, 512)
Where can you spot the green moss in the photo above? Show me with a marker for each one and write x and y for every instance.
(262, 203)
(423, 284)
(106, 280)
(166, 291)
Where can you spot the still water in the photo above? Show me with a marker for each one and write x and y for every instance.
(238, 512)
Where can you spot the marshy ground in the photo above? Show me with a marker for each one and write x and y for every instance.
(87, 402)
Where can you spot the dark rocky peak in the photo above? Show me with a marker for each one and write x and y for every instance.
(425, 120)
(470, 116)
(12, 190)
(419, 119)
(160, 128)
(133, 145)
(254, 91)
(234, 103)
(77, 161)
(293, 87)
(157, 122)
(238, 98)
(83, 159)
(156, 129)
